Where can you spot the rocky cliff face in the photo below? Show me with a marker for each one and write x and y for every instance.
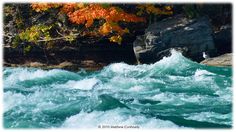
(193, 36)
(71, 57)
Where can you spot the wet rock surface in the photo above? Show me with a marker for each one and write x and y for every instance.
(88, 57)
(196, 35)
(223, 60)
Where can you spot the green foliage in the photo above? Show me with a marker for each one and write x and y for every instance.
(16, 41)
(27, 48)
(19, 23)
(35, 33)
(46, 24)
(70, 37)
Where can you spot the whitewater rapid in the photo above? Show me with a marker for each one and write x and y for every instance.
(172, 93)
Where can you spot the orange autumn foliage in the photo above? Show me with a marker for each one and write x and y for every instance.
(87, 14)
(71, 7)
(40, 7)
(96, 11)
(107, 28)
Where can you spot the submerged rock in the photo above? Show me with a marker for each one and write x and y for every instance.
(223, 60)
(195, 35)
(36, 64)
(66, 65)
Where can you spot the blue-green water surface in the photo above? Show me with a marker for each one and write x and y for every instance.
(172, 93)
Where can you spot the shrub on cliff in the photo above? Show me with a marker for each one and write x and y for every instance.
(49, 23)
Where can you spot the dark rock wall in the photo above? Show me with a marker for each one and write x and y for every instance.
(194, 34)
(104, 53)
(223, 40)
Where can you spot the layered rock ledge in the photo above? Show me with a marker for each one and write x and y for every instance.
(223, 60)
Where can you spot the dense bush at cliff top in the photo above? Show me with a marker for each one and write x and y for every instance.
(46, 24)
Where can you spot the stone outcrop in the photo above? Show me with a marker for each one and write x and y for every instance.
(88, 65)
(193, 35)
(223, 60)
(70, 57)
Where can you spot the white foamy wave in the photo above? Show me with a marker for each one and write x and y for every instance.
(23, 74)
(176, 78)
(117, 117)
(176, 63)
(203, 75)
(225, 94)
(12, 99)
(175, 57)
(168, 98)
(173, 62)
(210, 117)
(202, 72)
(179, 98)
(123, 68)
(119, 67)
(85, 84)
(176, 60)
(136, 88)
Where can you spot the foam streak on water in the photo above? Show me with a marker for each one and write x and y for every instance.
(172, 93)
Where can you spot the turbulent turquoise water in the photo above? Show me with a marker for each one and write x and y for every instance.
(172, 93)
